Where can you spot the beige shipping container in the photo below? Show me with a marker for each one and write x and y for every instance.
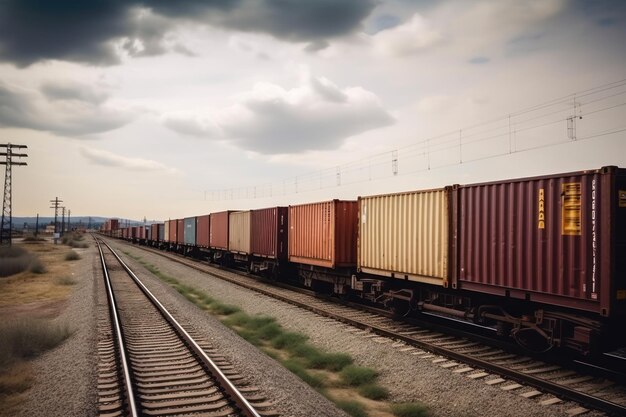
(166, 231)
(239, 232)
(406, 236)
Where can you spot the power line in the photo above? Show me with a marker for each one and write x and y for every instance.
(6, 226)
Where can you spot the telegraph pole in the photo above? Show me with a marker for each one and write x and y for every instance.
(63, 221)
(56, 206)
(6, 226)
(69, 223)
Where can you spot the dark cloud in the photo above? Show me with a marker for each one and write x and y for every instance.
(60, 109)
(86, 31)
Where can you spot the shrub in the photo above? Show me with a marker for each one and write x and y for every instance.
(32, 238)
(357, 375)
(354, 408)
(65, 281)
(330, 361)
(72, 256)
(225, 309)
(14, 260)
(409, 410)
(36, 266)
(26, 338)
(288, 341)
(374, 392)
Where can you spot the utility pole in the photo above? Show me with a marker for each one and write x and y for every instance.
(37, 226)
(63, 221)
(69, 223)
(6, 226)
(56, 206)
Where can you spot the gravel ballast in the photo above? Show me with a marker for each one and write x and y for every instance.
(408, 377)
(65, 377)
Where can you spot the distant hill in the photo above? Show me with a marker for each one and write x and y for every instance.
(96, 221)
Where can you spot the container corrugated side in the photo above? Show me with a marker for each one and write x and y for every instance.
(154, 232)
(239, 232)
(202, 230)
(180, 231)
(268, 236)
(190, 231)
(173, 231)
(218, 233)
(405, 235)
(323, 234)
(546, 239)
(166, 231)
(161, 232)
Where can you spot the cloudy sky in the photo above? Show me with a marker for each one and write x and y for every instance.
(168, 109)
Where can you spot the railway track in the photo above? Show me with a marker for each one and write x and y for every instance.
(499, 367)
(151, 366)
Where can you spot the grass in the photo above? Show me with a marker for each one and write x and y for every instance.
(26, 338)
(374, 392)
(354, 408)
(72, 256)
(33, 238)
(357, 375)
(409, 410)
(74, 240)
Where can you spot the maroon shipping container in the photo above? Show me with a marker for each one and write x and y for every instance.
(203, 224)
(268, 236)
(323, 234)
(218, 233)
(154, 232)
(172, 232)
(180, 231)
(556, 239)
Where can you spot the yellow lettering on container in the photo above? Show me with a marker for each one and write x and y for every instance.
(571, 210)
(542, 210)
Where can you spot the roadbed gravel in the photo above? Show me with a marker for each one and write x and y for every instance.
(408, 377)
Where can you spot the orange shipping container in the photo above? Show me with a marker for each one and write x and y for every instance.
(202, 231)
(239, 232)
(323, 234)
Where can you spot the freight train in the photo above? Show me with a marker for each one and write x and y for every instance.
(541, 260)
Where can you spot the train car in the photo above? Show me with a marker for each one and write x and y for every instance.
(180, 232)
(203, 224)
(239, 232)
(269, 239)
(550, 247)
(166, 231)
(172, 233)
(322, 243)
(155, 236)
(189, 233)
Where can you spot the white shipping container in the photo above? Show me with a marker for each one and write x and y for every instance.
(405, 236)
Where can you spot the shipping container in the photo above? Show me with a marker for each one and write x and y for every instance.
(154, 232)
(147, 232)
(556, 239)
(173, 230)
(190, 231)
(268, 234)
(180, 231)
(406, 236)
(166, 231)
(239, 232)
(323, 234)
(202, 230)
(218, 230)
(162, 229)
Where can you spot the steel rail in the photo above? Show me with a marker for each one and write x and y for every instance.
(242, 403)
(545, 385)
(130, 393)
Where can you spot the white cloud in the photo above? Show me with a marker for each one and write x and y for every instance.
(408, 38)
(110, 159)
(270, 119)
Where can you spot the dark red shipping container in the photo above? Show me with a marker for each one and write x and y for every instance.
(556, 239)
(154, 232)
(203, 224)
(172, 232)
(218, 233)
(323, 234)
(180, 231)
(268, 236)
